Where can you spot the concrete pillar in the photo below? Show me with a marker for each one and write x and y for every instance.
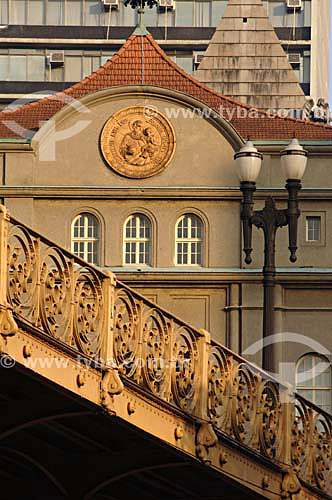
(234, 318)
(278, 353)
(320, 49)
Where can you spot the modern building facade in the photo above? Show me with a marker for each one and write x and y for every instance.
(46, 45)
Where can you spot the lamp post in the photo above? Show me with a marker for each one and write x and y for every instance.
(293, 162)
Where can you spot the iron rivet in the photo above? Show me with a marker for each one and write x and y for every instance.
(80, 379)
(265, 482)
(131, 408)
(178, 432)
(223, 458)
(27, 351)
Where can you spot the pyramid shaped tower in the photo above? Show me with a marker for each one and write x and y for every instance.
(246, 61)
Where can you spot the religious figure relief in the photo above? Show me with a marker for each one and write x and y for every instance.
(152, 140)
(322, 112)
(307, 108)
(139, 146)
(316, 113)
(136, 145)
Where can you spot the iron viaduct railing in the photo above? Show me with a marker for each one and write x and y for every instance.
(102, 319)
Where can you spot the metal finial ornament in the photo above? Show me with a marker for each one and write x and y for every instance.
(141, 29)
(139, 5)
(140, 18)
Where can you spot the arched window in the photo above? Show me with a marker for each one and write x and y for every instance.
(188, 240)
(137, 240)
(314, 380)
(85, 237)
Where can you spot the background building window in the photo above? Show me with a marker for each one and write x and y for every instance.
(189, 235)
(202, 11)
(137, 240)
(20, 66)
(85, 237)
(55, 12)
(313, 380)
(189, 13)
(313, 228)
(184, 13)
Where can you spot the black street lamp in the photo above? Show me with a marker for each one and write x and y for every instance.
(293, 163)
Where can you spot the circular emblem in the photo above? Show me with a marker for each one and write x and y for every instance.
(138, 141)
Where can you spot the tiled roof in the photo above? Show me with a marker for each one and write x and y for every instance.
(142, 62)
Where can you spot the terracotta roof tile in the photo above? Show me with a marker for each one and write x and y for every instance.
(126, 68)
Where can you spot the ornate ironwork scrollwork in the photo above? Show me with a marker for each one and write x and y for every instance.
(218, 373)
(243, 404)
(50, 288)
(155, 348)
(244, 399)
(269, 418)
(23, 279)
(89, 313)
(312, 445)
(185, 375)
(126, 334)
(55, 294)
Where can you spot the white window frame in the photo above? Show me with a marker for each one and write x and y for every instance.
(189, 240)
(315, 359)
(304, 228)
(137, 240)
(86, 239)
(313, 218)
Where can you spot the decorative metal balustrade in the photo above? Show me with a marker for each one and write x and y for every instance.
(311, 444)
(90, 312)
(54, 290)
(183, 366)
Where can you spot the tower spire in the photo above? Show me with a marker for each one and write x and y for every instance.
(245, 60)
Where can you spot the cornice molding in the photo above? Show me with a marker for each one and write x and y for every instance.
(159, 192)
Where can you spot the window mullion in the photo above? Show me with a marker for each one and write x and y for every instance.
(86, 226)
(189, 241)
(85, 251)
(189, 252)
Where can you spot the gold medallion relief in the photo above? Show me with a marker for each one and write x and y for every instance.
(138, 142)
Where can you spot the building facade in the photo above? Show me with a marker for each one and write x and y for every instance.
(46, 45)
(132, 169)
